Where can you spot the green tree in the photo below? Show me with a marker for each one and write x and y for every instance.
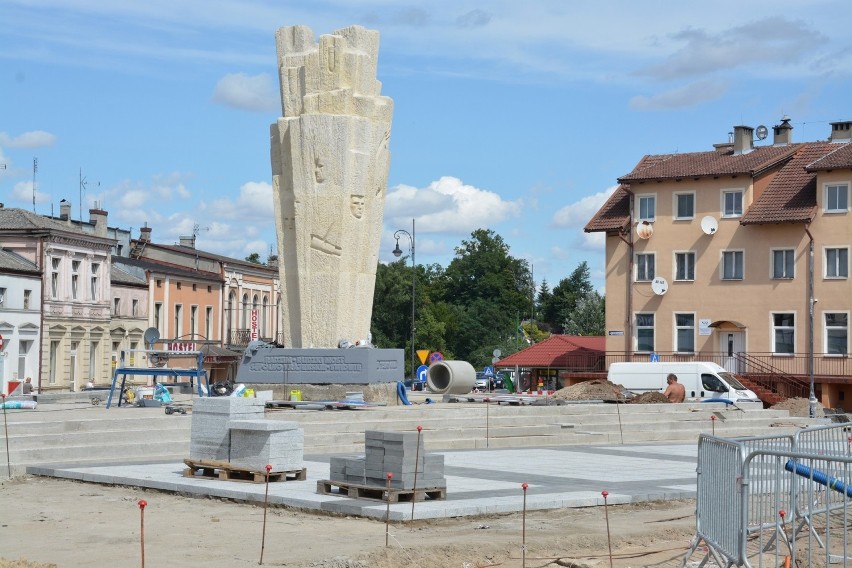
(254, 258)
(563, 300)
(486, 288)
(588, 317)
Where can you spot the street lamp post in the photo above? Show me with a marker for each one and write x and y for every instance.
(397, 252)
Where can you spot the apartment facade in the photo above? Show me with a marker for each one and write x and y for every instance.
(738, 255)
(20, 318)
(75, 314)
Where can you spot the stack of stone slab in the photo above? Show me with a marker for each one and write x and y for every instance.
(258, 443)
(233, 429)
(395, 453)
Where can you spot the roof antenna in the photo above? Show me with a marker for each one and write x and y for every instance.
(35, 169)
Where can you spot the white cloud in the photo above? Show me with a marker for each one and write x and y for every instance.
(686, 96)
(254, 202)
(32, 139)
(577, 214)
(23, 192)
(448, 206)
(247, 92)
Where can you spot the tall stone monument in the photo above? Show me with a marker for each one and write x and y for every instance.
(330, 162)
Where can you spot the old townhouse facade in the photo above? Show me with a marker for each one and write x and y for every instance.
(738, 255)
(20, 318)
(75, 267)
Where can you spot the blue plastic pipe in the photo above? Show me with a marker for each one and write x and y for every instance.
(400, 392)
(820, 477)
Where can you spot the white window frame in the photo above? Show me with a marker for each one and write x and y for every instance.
(791, 269)
(28, 295)
(733, 214)
(741, 252)
(116, 306)
(676, 209)
(644, 197)
(826, 194)
(55, 265)
(686, 254)
(837, 265)
(826, 328)
(94, 290)
(75, 278)
(775, 328)
(158, 316)
(636, 263)
(678, 328)
(2, 297)
(638, 327)
(208, 322)
(134, 308)
(193, 320)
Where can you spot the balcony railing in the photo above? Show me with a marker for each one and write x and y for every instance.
(242, 337)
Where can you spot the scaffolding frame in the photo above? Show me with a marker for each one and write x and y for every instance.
(197, 376)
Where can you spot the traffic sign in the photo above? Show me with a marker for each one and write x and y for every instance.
(421, 373)
(435, 357)
(489, 371)
(422, 354)
(655, 357)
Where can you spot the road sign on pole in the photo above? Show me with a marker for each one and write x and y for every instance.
(422, 354)
(421, 373)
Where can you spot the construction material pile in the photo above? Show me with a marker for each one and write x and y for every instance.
(234, 430)
(649, 398)
(593, 390)
(394, 453)
(799, 406)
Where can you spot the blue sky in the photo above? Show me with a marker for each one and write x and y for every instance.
(513, 116)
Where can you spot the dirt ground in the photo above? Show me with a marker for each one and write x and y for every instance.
(48, 522)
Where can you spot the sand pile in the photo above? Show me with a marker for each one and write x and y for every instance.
(649, 398)
(591, 390)
(799, 406)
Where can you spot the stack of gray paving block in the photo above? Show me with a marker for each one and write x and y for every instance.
(395, 453)
(258, 443)
(210, 437)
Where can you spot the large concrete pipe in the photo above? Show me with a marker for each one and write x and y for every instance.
(451, 377)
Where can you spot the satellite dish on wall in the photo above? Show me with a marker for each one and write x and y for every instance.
(659, 285)
(151, 335)
(762, 132)
(644, 230)
(709, 225)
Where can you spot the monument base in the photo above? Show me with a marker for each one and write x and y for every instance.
(263, 363)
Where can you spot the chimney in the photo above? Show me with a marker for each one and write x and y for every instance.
(743, 143)
(98, 218)
(841, 131)
(145, 234)
(783, 133)
(187, 241)
(65, 210)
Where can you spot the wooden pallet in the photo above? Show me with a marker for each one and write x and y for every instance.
(356, 491)
(227, 472)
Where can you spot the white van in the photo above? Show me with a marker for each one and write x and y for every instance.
(702, 380)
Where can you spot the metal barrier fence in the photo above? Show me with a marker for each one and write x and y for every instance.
(775, 500)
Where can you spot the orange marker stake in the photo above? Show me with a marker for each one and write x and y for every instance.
(416, 461)
(605, 494)
(524, 486)
(142, 505)
(265, 502)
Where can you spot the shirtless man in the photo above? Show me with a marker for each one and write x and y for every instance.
(675, 391)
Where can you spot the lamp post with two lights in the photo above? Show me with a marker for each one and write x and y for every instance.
(397, 252)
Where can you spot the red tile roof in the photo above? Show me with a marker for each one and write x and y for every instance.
(614, 215)
(837, 158)
(791, 195)
(553, 352)
(704, 164)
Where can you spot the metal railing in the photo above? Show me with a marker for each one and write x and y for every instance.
(773, 501)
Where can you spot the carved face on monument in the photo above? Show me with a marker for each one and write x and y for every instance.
(356, 204)
(318, 166)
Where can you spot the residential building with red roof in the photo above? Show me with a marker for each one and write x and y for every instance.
(739, 255)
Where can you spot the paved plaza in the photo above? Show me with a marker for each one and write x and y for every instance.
(479, 482)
